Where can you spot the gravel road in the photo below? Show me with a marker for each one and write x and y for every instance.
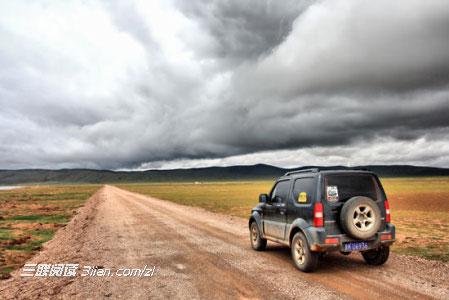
(203, 255)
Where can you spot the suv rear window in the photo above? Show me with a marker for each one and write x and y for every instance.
(341, 187)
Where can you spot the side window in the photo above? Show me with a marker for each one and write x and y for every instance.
(304, 190)
(281, 190)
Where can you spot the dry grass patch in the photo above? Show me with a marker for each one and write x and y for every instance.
(420, 211)
(234, 198)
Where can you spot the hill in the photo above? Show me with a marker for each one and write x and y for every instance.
(260, 171)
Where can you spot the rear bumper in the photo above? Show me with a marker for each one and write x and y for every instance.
(317, 239)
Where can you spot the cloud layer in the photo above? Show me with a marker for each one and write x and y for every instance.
(140, 85)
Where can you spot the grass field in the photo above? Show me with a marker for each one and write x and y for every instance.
(30, 216)
(420, 207)
(420, 210)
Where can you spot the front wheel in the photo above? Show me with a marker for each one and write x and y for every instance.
(377, 257)
(304, 259)
(257, 242)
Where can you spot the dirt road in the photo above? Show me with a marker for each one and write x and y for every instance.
(199, 254)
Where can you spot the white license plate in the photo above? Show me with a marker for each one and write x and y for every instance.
(356, 246)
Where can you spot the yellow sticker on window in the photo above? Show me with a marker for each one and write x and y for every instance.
(302, 197)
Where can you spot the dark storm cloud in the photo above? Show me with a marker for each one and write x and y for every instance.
(148, 83)
(244, 29)
(344, 73)
(283, 126)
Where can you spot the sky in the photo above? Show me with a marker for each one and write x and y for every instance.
(140, 85)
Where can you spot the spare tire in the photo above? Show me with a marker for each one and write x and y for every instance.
(360, 217)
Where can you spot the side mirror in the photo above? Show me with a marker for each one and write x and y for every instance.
(277, 199)
(263, 198)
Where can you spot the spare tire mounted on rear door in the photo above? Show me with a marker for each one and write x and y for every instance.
(360, 217)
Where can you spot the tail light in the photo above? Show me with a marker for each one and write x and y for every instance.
(332, 241)
(387, 211)
(318, 220)
(386, 237)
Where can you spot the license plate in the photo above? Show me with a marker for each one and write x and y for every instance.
(356, 246)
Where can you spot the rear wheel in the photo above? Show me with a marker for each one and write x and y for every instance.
(257, 242)
(304, 259)
(377, 257)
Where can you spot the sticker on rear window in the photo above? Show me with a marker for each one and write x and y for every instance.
(302, 197)
(332, 193)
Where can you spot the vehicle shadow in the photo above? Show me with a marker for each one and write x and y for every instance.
(328, 263)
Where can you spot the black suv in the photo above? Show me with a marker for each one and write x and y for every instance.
(315, 211)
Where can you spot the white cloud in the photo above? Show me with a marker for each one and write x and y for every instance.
(381, 151)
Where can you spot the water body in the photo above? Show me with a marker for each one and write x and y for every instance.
(9, 187)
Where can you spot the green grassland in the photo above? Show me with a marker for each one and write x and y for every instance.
(30, 216)
(420, 207)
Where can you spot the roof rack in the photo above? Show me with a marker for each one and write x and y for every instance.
(360, 169)
(314, 170)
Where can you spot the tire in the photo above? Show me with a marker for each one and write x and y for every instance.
(258, 243)
(304, 259)
(377, 257)
(360, 217)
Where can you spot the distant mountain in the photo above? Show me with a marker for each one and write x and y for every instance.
(260, 171)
